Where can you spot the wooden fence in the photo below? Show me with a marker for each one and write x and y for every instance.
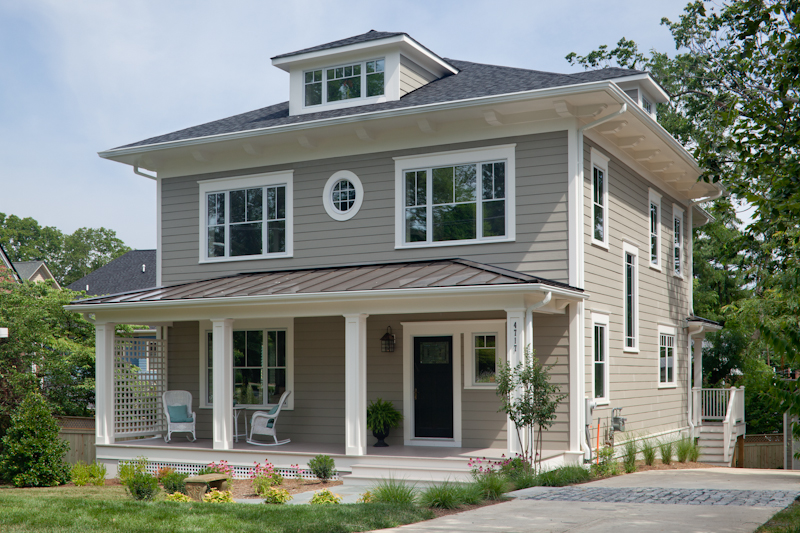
(763, 451)
(78, 431)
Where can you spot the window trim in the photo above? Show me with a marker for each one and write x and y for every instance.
(631, 249)
(363, 99)
(600, 161)
(599, 319)
(677, 214)
(483, 327)
(327, 201)
(286, 324)
(654, 198)
(284, 177)
(673, 332)
(456, 157)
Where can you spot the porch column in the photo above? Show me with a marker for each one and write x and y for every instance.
(515, 346)
(104, 382)
(355, 384)
(697, 386)
(222, 347)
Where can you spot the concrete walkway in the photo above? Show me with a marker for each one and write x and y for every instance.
(681, 501)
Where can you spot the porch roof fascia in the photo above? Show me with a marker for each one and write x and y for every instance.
(333, 297)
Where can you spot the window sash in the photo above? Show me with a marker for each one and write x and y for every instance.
(364, 79)
(484, 347)
(455, 203)
(599, 215)
(677, 246)
(653, 233)
(600, 361)
(666, 358)
(630, 284)
(253, 228)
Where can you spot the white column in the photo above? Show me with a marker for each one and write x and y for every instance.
(577, 375)
(355, 384)
(222, 346)
(515, 347)
(697, 360)
(104, 382)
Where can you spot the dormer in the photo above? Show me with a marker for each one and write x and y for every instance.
(371, 68)
(644, 91)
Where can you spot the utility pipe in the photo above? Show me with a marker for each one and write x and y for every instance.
(585, 446)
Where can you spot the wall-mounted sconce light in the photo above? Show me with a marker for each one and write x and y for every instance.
(387, 341)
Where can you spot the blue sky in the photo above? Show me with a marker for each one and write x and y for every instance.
(83, 76)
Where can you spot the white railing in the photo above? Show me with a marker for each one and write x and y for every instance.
(734, 415)
(714, 403)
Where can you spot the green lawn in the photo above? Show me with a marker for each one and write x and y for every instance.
(87, 509)
(786, 521)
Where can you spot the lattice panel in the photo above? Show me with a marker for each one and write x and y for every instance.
(239, 472)
(140, 377)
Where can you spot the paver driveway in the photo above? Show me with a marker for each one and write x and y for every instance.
(685, 501)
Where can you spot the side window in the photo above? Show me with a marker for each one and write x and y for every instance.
(667, 368)
(600, 368)
(484, 348)
(677, 241)
(654, 211)
(599, 229)
(631, 297)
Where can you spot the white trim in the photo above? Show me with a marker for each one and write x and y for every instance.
(654, 198)
(284, 177)
(159, 231)
(601, 320)
(633, 250)
(431, 329)
(483, 327)
(327, 201)
(600, 161)
(222, 412)
(678, 213)
(504, 152)
(673, 332)
(355, 380)
(362, 99)
(286, 324)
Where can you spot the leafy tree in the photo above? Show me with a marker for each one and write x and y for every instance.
(530, 400)
(69, 256)
(49, 348)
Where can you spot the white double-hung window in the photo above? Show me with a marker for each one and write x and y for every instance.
(461, 197)
(667, 370)
(630, 283)
(599, 199)
(655, 229)
(246, 217)
(600, 368)
(677, 241)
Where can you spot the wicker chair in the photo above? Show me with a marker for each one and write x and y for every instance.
(179, 398)
(263, 423)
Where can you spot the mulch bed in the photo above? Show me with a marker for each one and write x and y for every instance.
(243, 488)
(675, 465)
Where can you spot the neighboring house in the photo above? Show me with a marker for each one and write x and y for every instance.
(132, 271)
(7, 267)
(473, 209)
(35, 271)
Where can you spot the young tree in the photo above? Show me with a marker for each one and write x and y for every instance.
(529, 400)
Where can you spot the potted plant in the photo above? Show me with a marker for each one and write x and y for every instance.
(381, 417)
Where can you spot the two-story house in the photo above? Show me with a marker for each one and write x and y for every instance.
(465, 211)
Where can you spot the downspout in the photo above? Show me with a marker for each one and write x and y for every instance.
(585, 446)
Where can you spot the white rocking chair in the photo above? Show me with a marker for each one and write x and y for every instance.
(263, 423)
(176, 398)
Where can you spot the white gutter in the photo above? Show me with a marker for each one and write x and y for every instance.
(332, 296)
(137, 171)
(529, 317)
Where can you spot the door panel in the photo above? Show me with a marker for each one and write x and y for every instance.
(433, 387)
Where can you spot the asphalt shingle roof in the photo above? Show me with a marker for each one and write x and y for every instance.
(26, 269)
(123, 274)
(371, 35)
(473, 81)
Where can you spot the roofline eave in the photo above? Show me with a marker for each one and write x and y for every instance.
(563, 293)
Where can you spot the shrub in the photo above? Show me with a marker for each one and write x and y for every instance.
(163, 471)
(366, 498)
(127, 469)
(83, 474)
(563, 476)
(667, 449)
(606, 465)
(216, 496)
(442, 496)
(275, 495)
(323, 467)
(177, 497)
(694, 453)
(217, 468)
(470, 493)
(265, 477)
(80, 474)
(325, 497)
(648, 452)
(682, 449)
(142, 486)
(97, 474)
(519, 471)
(393, 491)
(174, 482)
(32, 454)
(493, 484)
(629, 457)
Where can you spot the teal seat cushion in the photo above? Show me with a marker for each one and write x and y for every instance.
(273, 410)
(179, 414)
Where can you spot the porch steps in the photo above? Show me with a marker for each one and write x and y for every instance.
(419, 470)
(712, 446)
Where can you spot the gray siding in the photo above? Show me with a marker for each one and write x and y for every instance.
(412, 76)
(540, 247)
(663, 300)
(551, 342)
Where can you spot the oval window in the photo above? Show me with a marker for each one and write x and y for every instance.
(343, 195)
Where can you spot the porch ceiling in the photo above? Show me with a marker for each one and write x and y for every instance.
(365, 278)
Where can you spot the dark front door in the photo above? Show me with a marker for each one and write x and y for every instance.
(433, 387)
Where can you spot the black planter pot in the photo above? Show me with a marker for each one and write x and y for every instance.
(380, 436)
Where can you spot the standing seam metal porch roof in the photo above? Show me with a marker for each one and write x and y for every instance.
(351, 278)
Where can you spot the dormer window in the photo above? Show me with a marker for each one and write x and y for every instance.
(345, 82)
(647, 106)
